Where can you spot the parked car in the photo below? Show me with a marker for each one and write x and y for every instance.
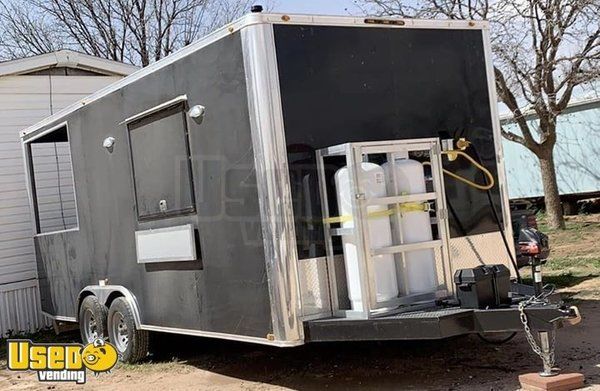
(523, 215)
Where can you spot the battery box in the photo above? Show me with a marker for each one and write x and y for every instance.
(485, 286)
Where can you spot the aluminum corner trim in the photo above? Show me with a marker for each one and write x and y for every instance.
(270, 159)
(497, 132)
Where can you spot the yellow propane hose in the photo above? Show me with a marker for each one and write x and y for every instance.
(487, 173)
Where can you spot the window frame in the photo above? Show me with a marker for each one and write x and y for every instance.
(31, 186)
(142, 116)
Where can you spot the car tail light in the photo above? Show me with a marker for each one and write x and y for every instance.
(529, 248)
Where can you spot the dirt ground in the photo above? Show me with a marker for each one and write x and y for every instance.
(465, 363)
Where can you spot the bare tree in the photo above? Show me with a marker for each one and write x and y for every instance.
(134, 31)
(544, 50)
(23, 32)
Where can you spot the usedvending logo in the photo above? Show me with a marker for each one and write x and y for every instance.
(61, 362)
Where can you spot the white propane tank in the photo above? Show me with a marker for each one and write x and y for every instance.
(380, 235)
(419, 265)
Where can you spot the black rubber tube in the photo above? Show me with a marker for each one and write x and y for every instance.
(497, 218)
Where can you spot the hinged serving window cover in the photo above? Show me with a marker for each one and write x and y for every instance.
(161, 164)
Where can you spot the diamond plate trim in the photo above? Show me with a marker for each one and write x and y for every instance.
(314, 287)
(475, 250)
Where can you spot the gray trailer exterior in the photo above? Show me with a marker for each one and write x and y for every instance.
(167, 294)
(250, 279)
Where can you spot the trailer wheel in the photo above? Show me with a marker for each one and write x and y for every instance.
(131, 343)
(496, 338)
(92, 319)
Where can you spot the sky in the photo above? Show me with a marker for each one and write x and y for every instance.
(331, 7)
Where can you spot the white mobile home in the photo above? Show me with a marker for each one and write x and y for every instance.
(30, 89)
(576, 155)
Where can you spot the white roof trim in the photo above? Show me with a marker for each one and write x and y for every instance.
(249, 20)
(573, 107)
(65, 58)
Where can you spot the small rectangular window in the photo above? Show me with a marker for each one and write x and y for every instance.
(161, 163)
(52, 183)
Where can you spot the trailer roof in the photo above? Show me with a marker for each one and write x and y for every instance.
(248, 20)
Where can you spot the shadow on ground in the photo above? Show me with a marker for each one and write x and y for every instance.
(565, 280)
(392, 364)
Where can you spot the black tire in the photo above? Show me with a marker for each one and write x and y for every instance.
(131, 343)
(92, 319)
(496, 338)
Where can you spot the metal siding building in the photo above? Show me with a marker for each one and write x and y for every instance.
(576, 154)
(30, 90)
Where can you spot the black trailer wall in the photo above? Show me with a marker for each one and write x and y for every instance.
(226, 290)
(343, 84)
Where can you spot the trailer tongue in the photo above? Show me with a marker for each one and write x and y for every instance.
(439, 322)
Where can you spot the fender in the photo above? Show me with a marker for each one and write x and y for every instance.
(103, 293)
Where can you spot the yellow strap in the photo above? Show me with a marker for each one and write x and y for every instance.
(338, 219)
(414, 207)
(402, 208)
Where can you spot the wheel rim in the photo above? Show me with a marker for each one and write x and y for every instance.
(120, 331)
(90, 326)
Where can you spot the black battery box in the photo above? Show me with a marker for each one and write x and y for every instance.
(475, 287)
(501, 284)
(485, 286)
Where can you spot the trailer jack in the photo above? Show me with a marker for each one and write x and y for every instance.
(547, 338)
(547, 352)
(546, 347)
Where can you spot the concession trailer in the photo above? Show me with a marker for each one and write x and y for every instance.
(289, 179)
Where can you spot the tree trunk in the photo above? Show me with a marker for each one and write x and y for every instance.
(554, 212)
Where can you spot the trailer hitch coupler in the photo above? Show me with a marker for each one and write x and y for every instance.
(570, 315)
(574, 316)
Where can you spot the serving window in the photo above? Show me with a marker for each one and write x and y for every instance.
(160, 156)
(51, 181)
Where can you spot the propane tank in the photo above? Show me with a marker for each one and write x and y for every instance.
(415, 225)
(380, 234)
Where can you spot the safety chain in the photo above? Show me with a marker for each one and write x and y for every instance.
(547, 358)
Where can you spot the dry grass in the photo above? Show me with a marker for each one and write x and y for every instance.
(579, 240)
(574, 263)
